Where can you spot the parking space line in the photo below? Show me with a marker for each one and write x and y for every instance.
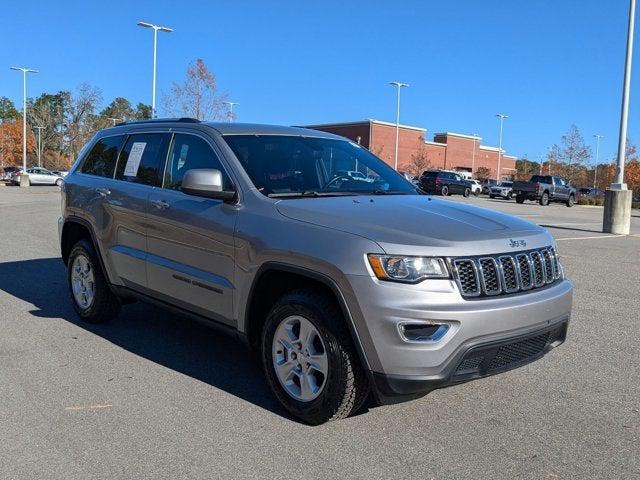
(90, 407)
(590, 238)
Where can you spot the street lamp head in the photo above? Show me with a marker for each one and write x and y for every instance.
(501, 115)
(24, 70)
(155, 27)
(399, 84)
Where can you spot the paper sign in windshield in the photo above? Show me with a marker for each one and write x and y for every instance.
(133, 162)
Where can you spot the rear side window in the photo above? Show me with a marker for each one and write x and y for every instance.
(101, 160)
(142, 158)
(190, 152)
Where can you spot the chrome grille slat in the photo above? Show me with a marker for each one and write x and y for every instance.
(506, 273)
(509, 270)
(538, 269)
(490, 276)
(467, 277)
(525, 270)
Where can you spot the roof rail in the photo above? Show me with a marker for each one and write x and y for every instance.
(162, 120)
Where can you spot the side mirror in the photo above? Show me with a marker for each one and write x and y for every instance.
(206, 182)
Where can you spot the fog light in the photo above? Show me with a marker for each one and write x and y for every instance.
(422, 332)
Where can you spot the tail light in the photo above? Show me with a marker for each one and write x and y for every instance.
(537, 187)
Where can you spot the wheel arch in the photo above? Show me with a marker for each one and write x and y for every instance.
(274, 279)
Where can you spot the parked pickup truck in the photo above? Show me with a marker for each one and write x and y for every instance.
(545, 189)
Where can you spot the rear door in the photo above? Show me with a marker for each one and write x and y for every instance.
(126, 201)
(190, 258)
(561, 191)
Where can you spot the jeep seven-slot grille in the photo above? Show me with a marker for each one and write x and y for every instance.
(506, 273)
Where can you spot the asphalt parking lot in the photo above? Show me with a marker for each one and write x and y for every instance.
(153, 395)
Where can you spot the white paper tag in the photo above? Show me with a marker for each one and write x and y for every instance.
(133, 162)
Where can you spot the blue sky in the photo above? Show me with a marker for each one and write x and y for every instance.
(547, 64)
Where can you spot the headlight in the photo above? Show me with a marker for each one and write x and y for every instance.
(407, 269)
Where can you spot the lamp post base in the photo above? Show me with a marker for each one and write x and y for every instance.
(617, 212)
(24, 180)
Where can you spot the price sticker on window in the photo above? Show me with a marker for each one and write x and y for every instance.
(133, 162)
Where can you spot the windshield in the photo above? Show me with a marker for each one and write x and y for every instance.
(290, 166)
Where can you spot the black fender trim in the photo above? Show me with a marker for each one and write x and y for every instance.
(332, 285)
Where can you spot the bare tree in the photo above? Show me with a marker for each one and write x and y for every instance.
(419, 161)
(198, 96)
(81, 121)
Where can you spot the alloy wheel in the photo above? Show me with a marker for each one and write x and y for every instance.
(300, 358)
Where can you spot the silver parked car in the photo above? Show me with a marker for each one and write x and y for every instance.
(502, 190)
(39, 176)
(345, 287)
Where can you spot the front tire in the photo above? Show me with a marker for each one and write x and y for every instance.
(59, 182)
(492, 196)
(519, 198)
(571, 201)
(91, 297)
(309, 359)
(445, 191)
(467, 192)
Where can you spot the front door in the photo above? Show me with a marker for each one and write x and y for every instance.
(190, 259)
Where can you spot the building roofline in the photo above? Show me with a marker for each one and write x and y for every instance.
(462, 135)
(364, 122)
(437, 144)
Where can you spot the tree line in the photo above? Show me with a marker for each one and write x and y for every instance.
(70, 118)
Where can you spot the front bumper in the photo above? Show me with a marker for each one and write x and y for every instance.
(412, 368)
(473, 362)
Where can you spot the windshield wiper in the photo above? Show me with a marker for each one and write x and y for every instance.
(385, 192)
(309, 193)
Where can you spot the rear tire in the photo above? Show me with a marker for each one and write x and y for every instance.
(476, 193)
(59, 182)
(444, 191)
(91, 297)
(544, 199)
(467, 192)
(343, 387)
(519, 199)
(492, 196)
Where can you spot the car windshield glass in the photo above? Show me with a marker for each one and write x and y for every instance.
(295, 166)
(506, 184)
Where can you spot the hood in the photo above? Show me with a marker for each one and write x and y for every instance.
(419, 224)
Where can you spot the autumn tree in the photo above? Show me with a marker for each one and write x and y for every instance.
(11, 144)
(525, 168)
(8, 110)
(483, 173)
(198, 96)
(419, 160)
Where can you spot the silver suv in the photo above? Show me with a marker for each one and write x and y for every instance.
(349, 287)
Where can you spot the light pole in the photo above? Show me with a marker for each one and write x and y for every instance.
(39, 145)
(617, 203)
(230, 105)
(116, 120)
(473, 155)
(595, 172)
(155, 28)
(24, 116)
(398, 86)
(501, 116)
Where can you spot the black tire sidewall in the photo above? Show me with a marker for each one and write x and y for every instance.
(444, 191)
(102, 292)
(544, 199)
(467, 192)
(320, 409)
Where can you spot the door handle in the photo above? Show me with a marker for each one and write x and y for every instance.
(103, 192)
(160, 204)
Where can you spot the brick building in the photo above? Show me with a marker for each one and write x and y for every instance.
(451, 151)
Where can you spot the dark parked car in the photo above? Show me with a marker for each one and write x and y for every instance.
(486, 185)
(444, 183)
(545, 189)
(589, 192)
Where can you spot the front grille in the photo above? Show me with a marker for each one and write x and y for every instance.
(507, 273)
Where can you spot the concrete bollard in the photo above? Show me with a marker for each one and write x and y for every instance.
(24, 180)
(617, 212)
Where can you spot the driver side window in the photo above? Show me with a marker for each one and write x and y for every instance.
(190, 152)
